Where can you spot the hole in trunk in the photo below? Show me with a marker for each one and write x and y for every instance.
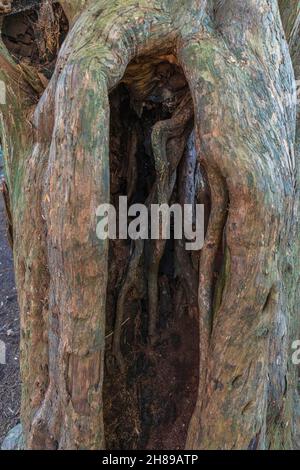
(33, 36)
(150, 402)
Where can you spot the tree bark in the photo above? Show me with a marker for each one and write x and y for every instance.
(240, 70)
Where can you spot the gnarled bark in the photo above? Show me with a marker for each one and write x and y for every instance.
(238, 67)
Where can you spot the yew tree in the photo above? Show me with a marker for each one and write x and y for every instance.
(134, 344)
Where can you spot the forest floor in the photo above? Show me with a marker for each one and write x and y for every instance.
(9, 334)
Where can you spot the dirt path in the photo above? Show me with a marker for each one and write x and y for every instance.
(9, 334)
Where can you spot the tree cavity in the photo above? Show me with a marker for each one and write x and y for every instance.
(151, 374)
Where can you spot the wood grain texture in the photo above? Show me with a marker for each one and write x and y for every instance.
(241, 77)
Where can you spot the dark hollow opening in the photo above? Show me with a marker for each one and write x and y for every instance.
(149, 404)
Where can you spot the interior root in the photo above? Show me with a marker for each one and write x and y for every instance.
(151, 372)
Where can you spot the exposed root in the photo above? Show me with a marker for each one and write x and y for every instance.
(162, 132)
(169, 94)
(131, 280)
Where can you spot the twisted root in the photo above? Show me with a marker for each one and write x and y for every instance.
(169, 139)
(162, 132)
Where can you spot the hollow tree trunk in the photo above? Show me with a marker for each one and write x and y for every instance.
(238, 66)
